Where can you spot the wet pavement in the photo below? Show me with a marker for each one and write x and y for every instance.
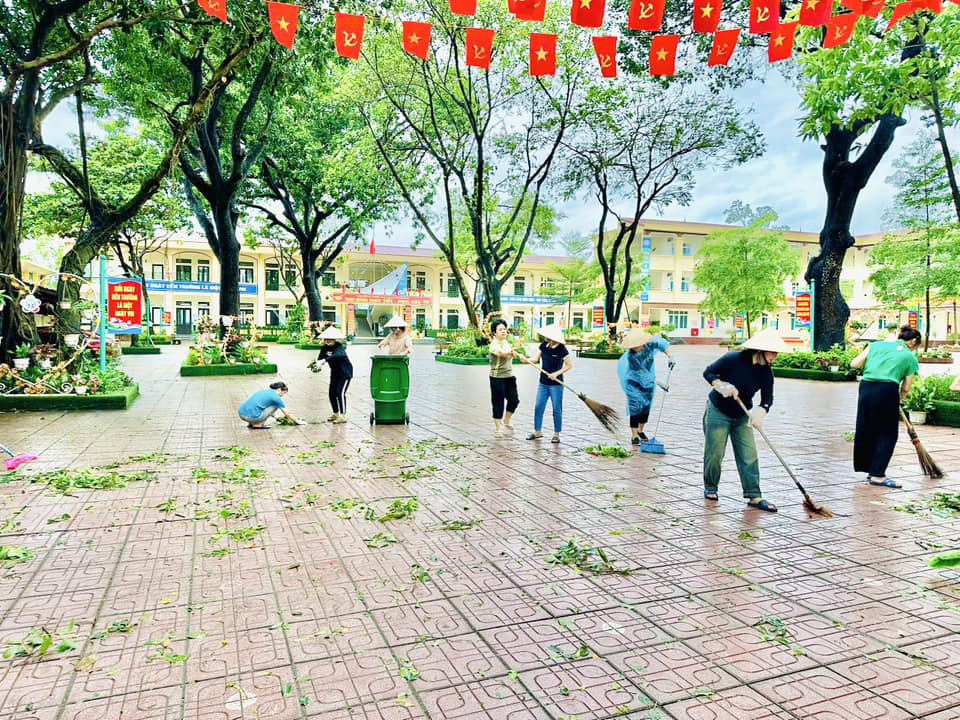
(259, 574)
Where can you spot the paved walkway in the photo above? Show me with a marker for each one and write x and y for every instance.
(233, 585)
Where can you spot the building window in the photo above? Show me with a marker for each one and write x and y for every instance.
(452, 288)
(273, 277)
(453, 319)
(329, 278)
(668, 248)
(668, 281)
(272, 315)
(518, 319)
(156, 312)
(419, 281)
(184, 273)
(420, 321)
(881, 323)
(687, 250)
(246, 273)
(549, 317)
(677, 318)
(203, 271)
(156, 272)
(684, 284)
(291, 275)
(246, 313)
(547, 286)
(519, 286)
(578, 320)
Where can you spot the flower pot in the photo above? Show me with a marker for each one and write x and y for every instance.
(46, 364)
(21, 363)
(80, 389)
(72, 339)
(834, 368)
(65, 304)
(918, 417)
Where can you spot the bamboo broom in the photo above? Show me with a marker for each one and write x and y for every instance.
(927, 463)
(607, 416)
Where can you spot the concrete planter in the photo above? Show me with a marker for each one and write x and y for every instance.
(120, 400)
(809, 374)
(597, 355)
(238, 369)
(936, 361)
(467, 360)
(140, 350)
(308, 346)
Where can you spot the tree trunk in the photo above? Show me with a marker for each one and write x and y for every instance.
(843, 180)
(746, 324)
(229, 257)
(944, 147)
(926, 320)
(310, 287)
(611, 310)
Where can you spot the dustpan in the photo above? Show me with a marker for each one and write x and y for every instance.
(653, 446)
(16, 459)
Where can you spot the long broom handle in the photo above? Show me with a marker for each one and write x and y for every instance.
(771, 446)
(911, 431)
(559, 382)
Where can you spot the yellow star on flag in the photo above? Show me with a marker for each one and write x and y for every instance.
(662, 54)
(414, 39)
(284, 25)
(812, 4)
(707, 10)
(585, 4)
(778, 40)
(541, 54)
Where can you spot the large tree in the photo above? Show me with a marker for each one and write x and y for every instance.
(641, 153)
(855, 98)
(486, 140)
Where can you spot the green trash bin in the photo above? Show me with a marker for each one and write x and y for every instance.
(389, 386)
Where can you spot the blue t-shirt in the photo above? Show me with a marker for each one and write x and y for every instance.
(261, 401)
(551, 360)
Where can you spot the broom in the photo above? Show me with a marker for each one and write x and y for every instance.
(604, 413)
(927, 463)
(808, 502)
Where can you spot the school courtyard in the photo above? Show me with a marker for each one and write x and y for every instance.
(216, 572)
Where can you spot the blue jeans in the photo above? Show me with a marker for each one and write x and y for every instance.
(717, 427)
(555, 393)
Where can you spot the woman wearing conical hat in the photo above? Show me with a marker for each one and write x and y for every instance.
(555, 361)
(638, 377)
(398, 342)
(739, 374)
(334, 354)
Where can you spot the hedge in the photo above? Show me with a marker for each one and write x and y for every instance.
(139, 350)
(597, 355)
(309, 346)
(223, 369)
(286, 341)
(455, 360)
(946, 412)
(119, 400)
(806, 374)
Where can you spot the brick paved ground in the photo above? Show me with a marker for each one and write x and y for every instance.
(216, 592)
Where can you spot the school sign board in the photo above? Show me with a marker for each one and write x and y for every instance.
(124, 306)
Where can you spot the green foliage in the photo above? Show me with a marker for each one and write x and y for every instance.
(614, 451)
(582, 558)
(744, 269)
(940, 386)
(945, 560)
(10, 555)
(398, 510)
(822, 360)
(941, 504)
(38, 642)
(296, 320)
(66, 480)
(921, 396)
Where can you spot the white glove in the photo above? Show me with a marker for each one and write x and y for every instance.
(757, 416)
(727, 390)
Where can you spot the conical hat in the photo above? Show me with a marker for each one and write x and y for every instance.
(636, 338)
(332, 333)
(768, 340)
(552, 332)
(396, 321)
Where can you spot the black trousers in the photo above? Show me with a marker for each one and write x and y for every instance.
(878, 418)
(338, 393)
(641, 418)
(503, 390)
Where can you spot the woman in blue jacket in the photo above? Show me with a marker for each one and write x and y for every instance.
(638, 378)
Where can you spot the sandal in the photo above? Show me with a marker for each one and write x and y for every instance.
(635, 441)
(711, 495)
(887, 482)
(534, 436)
(763, 505)
(555, 439)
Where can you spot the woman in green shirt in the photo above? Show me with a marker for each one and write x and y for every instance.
(887, 377)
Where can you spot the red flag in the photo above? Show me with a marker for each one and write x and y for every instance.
(840, 30)
(588, 13)
(781, 42)
(373, 248)
(855, 6)
(479, 47)
(605, 46)
(872, 8)
(646, 15)
(764, 16)
(463, 7)
(724, 43)
(814, 13)
(543, 54)
(706, 15)
(530, 10)
(934, 6)
(214, 8)
(284, 21)
(663, 54)
(900, 12)
(349, 35)
(416, 38)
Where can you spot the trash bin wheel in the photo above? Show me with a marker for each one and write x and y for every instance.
(373, 418)
(406, 419)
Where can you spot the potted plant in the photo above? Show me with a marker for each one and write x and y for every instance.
(79, 384)
(21, 356)
(71, 339)
(44, 354)
(919, 401)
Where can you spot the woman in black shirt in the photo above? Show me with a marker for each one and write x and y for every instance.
(334, 353)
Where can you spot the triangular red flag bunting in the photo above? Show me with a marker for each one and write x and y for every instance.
(479, 47)
(284, 21)
(214, 8)
(781, 42)
(839, 30)
(934, 6)
(900, 12)
(663, 54)
(724, 43)
(706, 15)
(605, 46)
(530, 10)
(854, 6)
(543, 54)
(814, 13)
(646, 15)
(416, 38)
(588, 13)
(349, 35)
(764, 16)
(872, 8)
(373, 246)
(467, 8)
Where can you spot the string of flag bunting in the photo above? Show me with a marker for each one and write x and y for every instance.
(643, 16)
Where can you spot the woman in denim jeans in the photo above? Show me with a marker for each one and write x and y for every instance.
(739, 374)
(556, 361)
